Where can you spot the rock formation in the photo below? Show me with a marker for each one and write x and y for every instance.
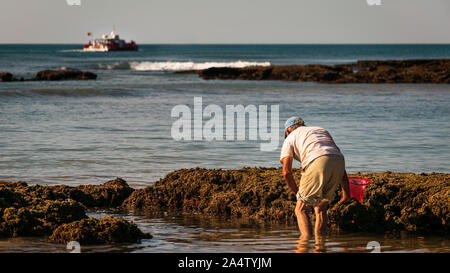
(52, 75)
(401, 71)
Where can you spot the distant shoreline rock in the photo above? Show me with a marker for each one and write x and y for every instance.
(52, 75)
(388, 71)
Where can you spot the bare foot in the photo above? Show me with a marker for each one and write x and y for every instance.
(305, 237)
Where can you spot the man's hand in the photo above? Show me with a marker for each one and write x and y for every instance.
(345, 190)
(345, 198)
(287, 174)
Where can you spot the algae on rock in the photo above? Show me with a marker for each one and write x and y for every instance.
(99, 231)
(40, 210)
(392, 201)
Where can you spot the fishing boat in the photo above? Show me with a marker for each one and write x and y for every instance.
(110, 42)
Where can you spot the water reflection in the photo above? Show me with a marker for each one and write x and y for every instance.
(193, 233)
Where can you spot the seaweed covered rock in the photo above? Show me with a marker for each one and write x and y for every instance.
(412, 202)
(9, 197)
(383, 71)
(52, 75)
(39, 210)
(99, 231)
(249, 192)
(6, 77)
(63, 74)
(351, 216)
(109, 194)
(39, 220)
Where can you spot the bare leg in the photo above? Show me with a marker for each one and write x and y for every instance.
(321, 218)
(303, 245)
(320, 244)
(301, 210)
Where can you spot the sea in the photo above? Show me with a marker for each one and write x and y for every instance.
(121, 125)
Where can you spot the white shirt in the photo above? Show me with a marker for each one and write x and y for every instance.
(308, 143)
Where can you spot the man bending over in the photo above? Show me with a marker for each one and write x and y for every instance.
(323, 170)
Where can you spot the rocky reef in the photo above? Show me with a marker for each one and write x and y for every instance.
(392, 201)
(52, 75)
(7, 77)
(90, 231)
(395, 71)
(249, 192)
(400, 201)
(60, 211)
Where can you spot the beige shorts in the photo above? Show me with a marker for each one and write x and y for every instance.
(320, 179)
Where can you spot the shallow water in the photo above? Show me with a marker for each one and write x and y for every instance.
(193, 234)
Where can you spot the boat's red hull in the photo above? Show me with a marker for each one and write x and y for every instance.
(126, 47)
(113, 47)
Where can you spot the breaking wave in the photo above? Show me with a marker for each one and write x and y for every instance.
(71, 50)
(177, 66)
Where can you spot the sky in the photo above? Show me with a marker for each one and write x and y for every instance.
(227, 21)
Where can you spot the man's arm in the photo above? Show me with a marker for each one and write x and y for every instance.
(345, 189)
(287, 173)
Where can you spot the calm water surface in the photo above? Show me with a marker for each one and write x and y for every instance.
(210, 235)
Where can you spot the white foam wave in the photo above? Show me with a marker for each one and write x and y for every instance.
(71, 50)
(116, 66)
(179, 66)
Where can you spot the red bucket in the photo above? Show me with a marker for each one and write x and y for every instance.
(357, 187)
